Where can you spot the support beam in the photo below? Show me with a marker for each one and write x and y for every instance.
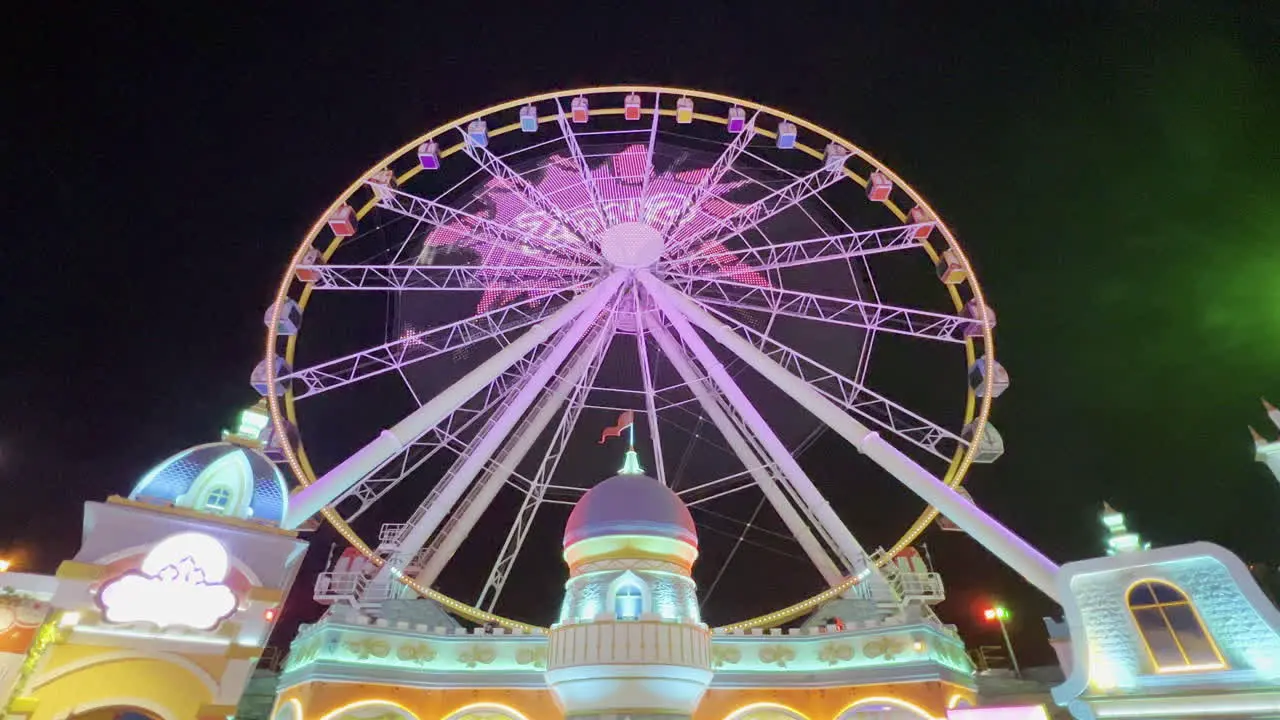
(433, 510)
(651, 411)
(847, 546)
(505, 461)
(467, 278)
(999, 540)
(419, 345)
(768, 485)
(313, 498)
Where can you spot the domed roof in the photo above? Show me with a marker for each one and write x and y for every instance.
(255, 488)
(630, 505)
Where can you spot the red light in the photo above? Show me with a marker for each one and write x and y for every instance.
(989, 613)
(270, 614)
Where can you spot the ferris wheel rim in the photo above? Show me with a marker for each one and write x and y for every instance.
(977, 407)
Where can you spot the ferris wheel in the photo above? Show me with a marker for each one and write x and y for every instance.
(716, 276)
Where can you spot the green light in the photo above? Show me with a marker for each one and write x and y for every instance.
(252, 422)
(631, 464)
(996, 613)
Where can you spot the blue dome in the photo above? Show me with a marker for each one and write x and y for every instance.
(630, 505)
(254, 484)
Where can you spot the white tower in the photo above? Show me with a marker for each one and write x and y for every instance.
(1268, 452)
(630, 644)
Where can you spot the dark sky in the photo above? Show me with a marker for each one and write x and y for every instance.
(1113, 170)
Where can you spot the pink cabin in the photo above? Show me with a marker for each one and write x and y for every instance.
(917, 216)
(579, 110)
(879, 186)
(631, 107)
(343, 221)
(306, 272)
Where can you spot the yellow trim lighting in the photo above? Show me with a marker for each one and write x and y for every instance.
(977, 408)
(367, 703)
(741, 713)
(1157, 604)
(888, 700)
(462, 712)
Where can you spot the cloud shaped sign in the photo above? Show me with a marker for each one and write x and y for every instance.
(179, 584)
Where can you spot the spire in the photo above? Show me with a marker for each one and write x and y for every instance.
(1272, 412)
(1119, 539)
(631, 464)
(1258, 440)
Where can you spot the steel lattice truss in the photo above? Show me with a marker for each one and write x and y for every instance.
(553, 308)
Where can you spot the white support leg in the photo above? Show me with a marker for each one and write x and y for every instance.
(790, 517)
(512, 452)
(999, 540)
(428, 516)
(313, 498)
(847, 546)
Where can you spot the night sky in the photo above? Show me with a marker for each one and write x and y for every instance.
(1113, 171)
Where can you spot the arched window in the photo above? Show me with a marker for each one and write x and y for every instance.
(1175, 637)
(628, 602)
(218, 500)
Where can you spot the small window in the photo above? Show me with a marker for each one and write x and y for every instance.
(218, 500)
(628, 603)
(1175, 637)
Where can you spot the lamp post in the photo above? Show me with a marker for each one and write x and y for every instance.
(999, 614)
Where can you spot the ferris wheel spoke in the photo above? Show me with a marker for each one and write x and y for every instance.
(720, 262)
(452, 434)
(791, 489)
(449, 490)
(822, 308)
(418, 346)
(584, 169)
(1011, 549)
(761, 469)
(726, 485)
(646, 375)
(537, 493)
(692, 202)
(575, 235)
(586, 357)
(446, 277)
(338, 480)
(750, 216)
(466, 229)
(850, 551)
(852, 396)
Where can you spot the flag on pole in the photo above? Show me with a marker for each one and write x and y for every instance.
(625, 420)
(944, 522)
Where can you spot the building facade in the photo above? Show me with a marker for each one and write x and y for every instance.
(629, 643)
(165, 610)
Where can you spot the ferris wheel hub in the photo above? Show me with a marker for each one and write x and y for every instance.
(632, 245)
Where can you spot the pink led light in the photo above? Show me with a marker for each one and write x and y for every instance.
(619, 182)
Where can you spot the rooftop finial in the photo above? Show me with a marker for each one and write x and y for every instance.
(1272, 412)
(1119, 538)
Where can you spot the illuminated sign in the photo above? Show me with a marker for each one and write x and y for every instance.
(624, 197)
(179, 584)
